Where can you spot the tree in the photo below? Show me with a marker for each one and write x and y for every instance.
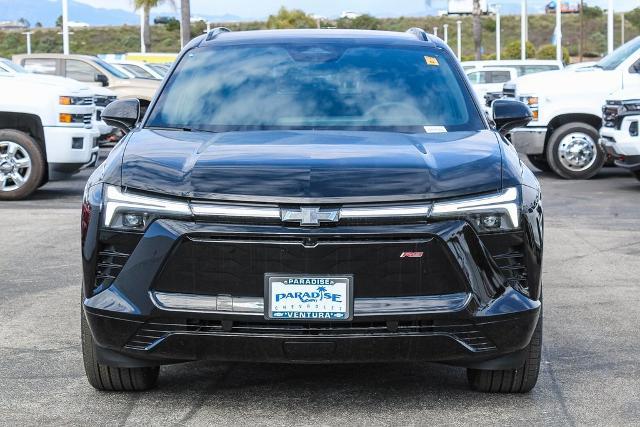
(548, 51)
(24, 22)
(146, 6)
(633, 16)
(59, 21)
(293, 18)
(362, 22)
(477, 29)
(38, 24)
(185, 22)
(512, 50)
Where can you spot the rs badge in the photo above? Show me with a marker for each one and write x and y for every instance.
(411, 254)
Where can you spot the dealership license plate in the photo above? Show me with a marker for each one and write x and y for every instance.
(297, 297)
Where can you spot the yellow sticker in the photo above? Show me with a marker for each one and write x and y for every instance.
(431, 60)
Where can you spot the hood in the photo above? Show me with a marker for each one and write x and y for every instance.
(141, 83)
(53, 81)
(560, 81)
(309, 166)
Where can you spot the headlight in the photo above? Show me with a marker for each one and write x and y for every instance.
(71, 100)
(136, 211)
(499, 212)
(532, 103)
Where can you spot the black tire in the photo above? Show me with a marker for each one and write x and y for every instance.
(36, 173)
(521, 380)
(636, 174)
(553, 157)
(109, 378)
(539, 161)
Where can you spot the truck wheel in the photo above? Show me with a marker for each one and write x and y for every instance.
(573, 151)
(21, 165)
(539, 162)
(108, 378)
(521, 380)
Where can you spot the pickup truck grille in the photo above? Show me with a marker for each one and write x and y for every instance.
(103, 101)
(86, 119)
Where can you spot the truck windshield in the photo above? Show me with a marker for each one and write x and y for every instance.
(618, 56)
(111, 69)
(316, 86)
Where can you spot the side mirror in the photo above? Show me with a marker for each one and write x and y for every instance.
(101, 78)
(123, 114)
(510, 114)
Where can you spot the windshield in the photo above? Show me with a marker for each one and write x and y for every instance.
(618, 56)
(111, 69)
(137, 71)
(315, 86)
(13, 66)
(160, 69)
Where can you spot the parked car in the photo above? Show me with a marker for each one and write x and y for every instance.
(46, 132)
(619, 134)
(489, 81)
(567, 110)
(90, 70)
(138, 69)
(102, 95)
(523, 67)
(313, 196)
(161, 69)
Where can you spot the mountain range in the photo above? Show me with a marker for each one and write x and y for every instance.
(46, 12)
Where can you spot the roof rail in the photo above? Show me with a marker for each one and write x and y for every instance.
(215, 32)
(419, 33)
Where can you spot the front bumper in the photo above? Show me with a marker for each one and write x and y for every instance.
(457, 305)
(529, 140)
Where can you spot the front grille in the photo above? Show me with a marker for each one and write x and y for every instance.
(153, 332)
(87, 100)
(509, 92)
(225, 266)
(103, 101)
(86, 119)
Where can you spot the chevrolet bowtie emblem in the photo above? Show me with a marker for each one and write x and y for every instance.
(310, 216)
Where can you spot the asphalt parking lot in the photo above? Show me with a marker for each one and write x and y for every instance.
(590, 372)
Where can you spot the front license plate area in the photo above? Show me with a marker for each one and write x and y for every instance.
(308, 297)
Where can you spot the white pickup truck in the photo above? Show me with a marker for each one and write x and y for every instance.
(567, 110)
(46, 132)
(620, 133)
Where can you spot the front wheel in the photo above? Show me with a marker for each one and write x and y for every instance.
(521, 380)
(21, 165)
(573, 151)
(539, 161)
(109, 378)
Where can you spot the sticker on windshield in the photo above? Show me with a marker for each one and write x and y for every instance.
(435, 129)
(430, 60)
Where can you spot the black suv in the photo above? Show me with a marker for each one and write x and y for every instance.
(313, 197)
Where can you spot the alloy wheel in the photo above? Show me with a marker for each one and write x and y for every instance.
(15, 166)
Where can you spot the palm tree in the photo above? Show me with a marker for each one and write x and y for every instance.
(146, 6)
(185, 22)
(477, 29)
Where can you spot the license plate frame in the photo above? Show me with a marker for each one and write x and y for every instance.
(277, 280)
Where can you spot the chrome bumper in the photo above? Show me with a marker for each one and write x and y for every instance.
(529, 140)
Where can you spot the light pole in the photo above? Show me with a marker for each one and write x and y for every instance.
(558, 30)
(496, 7)
(459, 25)
(523, 30)
(621, 29)
(610, 27)
(446, 33)
(65, 27)
(143, 48)
(28, 34)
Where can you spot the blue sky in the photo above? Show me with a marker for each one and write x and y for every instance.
(329, 8)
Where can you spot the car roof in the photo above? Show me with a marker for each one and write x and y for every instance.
(53, 55)
(333, 35)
